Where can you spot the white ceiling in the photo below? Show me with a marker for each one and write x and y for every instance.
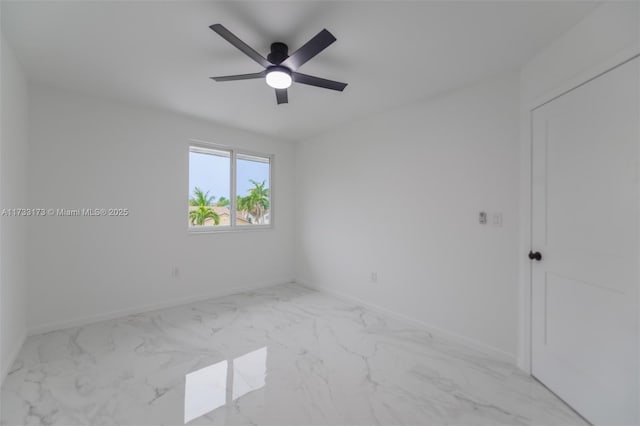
(162, 53)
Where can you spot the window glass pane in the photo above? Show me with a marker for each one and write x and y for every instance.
(209, 187)
(253, 190)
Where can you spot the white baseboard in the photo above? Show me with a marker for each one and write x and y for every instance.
(7, 363)
(82, 321)
(433, 330)
(523, 364)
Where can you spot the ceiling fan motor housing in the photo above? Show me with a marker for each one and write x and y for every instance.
(279, 52)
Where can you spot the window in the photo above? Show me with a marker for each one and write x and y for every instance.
(228, 189)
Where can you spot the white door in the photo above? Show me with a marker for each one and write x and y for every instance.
(585, 316)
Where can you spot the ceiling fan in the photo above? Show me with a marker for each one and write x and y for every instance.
(280, 68)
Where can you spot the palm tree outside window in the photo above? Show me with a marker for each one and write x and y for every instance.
(228, 189)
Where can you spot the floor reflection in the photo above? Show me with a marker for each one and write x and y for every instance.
(249, 372)
(219, 384)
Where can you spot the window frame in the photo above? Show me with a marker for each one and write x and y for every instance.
(233, 153)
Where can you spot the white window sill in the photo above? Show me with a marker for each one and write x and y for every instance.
(218, 230)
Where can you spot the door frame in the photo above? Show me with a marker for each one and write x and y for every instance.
(525, 344)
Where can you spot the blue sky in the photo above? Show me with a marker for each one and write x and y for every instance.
(211, 173)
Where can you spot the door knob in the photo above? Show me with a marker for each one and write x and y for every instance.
(537, 256)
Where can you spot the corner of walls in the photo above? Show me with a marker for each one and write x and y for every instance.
(524, 244)
(12, 354)
(13, 177)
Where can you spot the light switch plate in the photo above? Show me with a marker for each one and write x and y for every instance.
(497, 219)
(482, 218)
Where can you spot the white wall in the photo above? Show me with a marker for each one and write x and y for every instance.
(604, 38)
(86, 152)
(13, 178)
(399, 194)
(608, 30)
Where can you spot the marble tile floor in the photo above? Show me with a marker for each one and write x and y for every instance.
(284, 355)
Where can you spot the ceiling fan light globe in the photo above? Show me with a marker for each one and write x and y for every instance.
(278, 79)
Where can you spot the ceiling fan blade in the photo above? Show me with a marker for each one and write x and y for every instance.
(241, 45)
(318, 82)
(282, 96)
(314, 46)
(240, 76)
